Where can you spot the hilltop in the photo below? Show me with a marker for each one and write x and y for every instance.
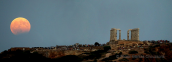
(95, 53)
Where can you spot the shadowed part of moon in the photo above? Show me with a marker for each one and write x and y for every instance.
(19, 31)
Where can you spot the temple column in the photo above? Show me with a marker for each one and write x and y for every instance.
(138, 34)
(115, 35)
(119, 34)
(132, 34)
(128, 35)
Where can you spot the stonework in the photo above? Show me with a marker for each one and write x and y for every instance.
(128, 34)
(134, 34)
(113, 36)
(114, 41)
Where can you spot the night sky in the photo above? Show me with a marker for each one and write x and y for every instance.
(66, 22)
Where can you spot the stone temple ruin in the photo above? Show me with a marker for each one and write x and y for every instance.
(113, 35)
(114, 42)
(134, 34)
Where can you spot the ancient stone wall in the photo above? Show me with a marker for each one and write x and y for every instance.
(134, 34)
(113, 34)
(128, 34)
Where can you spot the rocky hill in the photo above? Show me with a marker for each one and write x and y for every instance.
(132, 55)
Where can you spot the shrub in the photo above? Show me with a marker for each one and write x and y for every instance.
(96, 44)
(19, 54)
(98, 52)
(133, 52)
(94, 56)
(154, 53)
(146, 49)
(133, 58)
(112, 57)
(95, 60)
(123, 59)
(120, 53)
(26, 52)
(157, 46)
(105, 59)
(70, 58)
(35, 52)
(146, 52)
(86, 53)
(106, 48)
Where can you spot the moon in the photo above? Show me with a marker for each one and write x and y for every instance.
(20, 25)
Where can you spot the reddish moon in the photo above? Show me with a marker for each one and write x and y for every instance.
(20, 25)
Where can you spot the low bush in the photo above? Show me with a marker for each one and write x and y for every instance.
(70, 58)
(133, 58)
(146, 52)
(95, 60)
(120, 53)
(157, 46)
(123, 59)
(85, 53)
(106, 48)
(133, 52)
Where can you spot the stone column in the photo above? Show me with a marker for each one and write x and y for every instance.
(119, 34)
(138, 34)
(128, 35)
(110, 35)
(135, 33)
(115, 35)
(132, 35)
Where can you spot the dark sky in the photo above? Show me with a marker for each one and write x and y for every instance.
(65, 22)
